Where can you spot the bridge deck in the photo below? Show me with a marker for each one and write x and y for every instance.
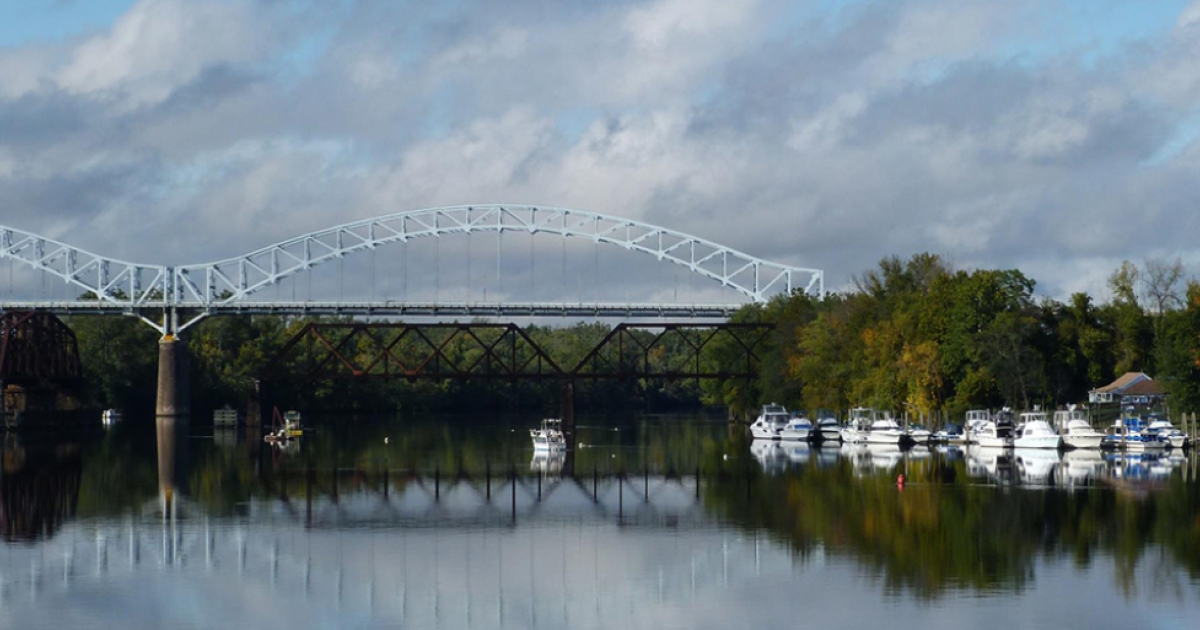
(400, 309)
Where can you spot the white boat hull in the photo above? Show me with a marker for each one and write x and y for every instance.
(763, 433)
(795, 434)
(1083, 441)
(1038, 441)
(831, 435)
(884, 437)
(1141, 446)
(1177, 441)
(993, 442)
(920, 437)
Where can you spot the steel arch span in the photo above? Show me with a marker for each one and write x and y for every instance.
(232, 279)
(229, 282)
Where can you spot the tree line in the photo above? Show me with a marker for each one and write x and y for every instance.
(919, 336)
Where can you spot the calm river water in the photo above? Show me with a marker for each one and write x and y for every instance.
(656, 522)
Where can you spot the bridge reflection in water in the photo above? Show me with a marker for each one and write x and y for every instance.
(524, 548)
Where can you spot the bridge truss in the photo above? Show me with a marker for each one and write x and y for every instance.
(440, 351)
(173, 298)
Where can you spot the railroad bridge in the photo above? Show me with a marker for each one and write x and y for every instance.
(39, 364)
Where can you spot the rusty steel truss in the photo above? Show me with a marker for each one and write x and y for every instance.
(436, 351)
(37, 347)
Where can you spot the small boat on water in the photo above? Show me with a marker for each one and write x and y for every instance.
(828, 428)
(885, 430)
(770, 423)
(549, 437)
(109, 417)
(1162, 427)
(856, 430)
(918, 434)
(997, 432)
(1128, 434)
(952, 434)
(286, 427)
(975, 420)
(1076, 429)
(1035, 431)
(798, 428)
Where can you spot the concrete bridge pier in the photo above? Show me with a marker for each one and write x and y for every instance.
(174, 392)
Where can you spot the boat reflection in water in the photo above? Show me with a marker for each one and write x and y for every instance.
(770, 455)
(548, 462)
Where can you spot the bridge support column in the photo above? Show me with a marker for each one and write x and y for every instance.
(174, 392)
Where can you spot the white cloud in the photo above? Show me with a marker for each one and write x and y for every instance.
(904, 131)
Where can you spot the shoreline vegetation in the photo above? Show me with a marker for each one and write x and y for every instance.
(914, 336)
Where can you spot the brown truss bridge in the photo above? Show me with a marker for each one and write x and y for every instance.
(438, 351)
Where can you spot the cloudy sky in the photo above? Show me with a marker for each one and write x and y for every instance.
(1057, 136)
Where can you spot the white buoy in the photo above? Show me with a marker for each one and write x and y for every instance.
(385, 440)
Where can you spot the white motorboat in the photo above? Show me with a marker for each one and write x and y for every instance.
(827, 427)
(997, 432)
(952, 434)
(1076, 429)
(798, 428)
(770, 423)
(1126, 435)
(976, 419)
(549, 437)
(885, 430)
(856, 430)
(110, 417)
(1163, 428)
(1035, 432)
(918, 434)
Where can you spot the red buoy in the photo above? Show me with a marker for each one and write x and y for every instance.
(900, 481)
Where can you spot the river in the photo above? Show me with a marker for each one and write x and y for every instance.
(668, 521)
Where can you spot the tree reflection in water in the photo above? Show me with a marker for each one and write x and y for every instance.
(948, 530)
(959, 523)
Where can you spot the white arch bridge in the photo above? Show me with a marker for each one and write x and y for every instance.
(173, 298)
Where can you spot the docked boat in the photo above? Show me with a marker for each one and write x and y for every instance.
(798, 428)
(976, 419)
(997, 432)
(885, 430)
(549, 437)
(856, 430)
(1076, 429)
(828, 428)
(1035, 431)
(770, 423)
(285, 428)
(1166, 431)
(952, 434)
(917, 434)
(1127, 434)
